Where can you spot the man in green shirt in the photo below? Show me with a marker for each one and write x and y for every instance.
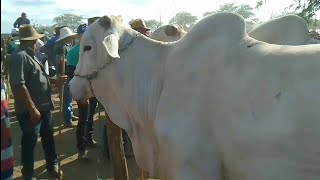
(14, 41)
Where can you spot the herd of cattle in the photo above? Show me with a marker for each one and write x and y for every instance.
(216, 103)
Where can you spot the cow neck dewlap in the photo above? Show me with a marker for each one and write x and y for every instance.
(139, 71)
(145, 77)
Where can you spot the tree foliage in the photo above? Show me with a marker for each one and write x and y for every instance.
(184, 19)
(244, 10)
(70, 20)
(304, 8)
(307, 9)
(42, 28)
(153, 24)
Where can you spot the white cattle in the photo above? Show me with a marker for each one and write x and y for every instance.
(285, 30)
(168, 33)
(217, 104)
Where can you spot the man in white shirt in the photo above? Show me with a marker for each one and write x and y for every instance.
(42, 57)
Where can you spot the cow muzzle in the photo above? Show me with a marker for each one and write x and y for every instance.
(79, 89)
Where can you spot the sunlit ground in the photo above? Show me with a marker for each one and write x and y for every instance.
(97, 166)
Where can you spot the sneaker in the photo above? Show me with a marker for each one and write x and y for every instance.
(71, 125)
(91, 143)
(54, 172)
(27, 178)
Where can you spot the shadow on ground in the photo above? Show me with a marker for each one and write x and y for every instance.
(96, 167)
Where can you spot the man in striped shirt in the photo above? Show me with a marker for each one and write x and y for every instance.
(6, 135)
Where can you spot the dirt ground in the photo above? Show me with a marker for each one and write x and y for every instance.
(97, 166)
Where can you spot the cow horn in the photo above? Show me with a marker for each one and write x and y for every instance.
(105, 21)
(171, 30)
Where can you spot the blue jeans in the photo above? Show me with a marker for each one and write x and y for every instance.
(29, 138)
(67, 103)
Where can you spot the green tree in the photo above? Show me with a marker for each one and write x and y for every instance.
(244, 10)
(304, 8)
(184, 19)
(314, 24)
(42, 28)
(153, 24)
(70, 20)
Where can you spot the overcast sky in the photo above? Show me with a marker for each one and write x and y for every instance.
(43, 11)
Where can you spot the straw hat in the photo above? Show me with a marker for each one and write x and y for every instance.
(65, 32)
(139, 23)
(27, 33)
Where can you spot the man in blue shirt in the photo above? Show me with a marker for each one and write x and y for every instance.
(21, 20)
(48, 47)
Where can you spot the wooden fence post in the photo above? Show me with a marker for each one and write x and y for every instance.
(116, 151)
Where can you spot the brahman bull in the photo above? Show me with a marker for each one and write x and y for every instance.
(217, 104)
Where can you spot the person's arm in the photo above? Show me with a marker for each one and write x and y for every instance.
(16, 23)
(23, 94)
(27, 21)
(59, 81)
(18, 67)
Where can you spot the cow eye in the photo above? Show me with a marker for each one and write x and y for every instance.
(86, 48)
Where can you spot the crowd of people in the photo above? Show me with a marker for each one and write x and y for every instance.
(33, 63)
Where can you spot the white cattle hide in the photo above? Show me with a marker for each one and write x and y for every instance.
(229, 107)
(285, 30)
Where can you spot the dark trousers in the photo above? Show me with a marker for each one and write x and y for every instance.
(85, 123)
(126, 143)
(92, 104)
(29, 138)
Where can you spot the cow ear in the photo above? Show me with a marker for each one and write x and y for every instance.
(111, 43)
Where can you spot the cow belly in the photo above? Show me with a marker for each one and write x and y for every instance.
(272, 140)
(263, 161)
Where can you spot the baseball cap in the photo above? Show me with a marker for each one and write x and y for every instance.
(81, 28)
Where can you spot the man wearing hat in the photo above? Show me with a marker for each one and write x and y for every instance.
(21, 20)
(32, 101)
(61, 48)
(140, 26)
